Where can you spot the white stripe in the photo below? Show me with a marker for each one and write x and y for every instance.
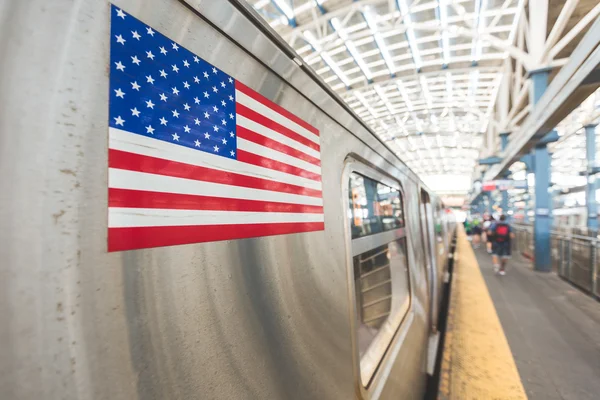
(143, 145)
(124, 179)
(266, 152)
(260, 108)
(278, 137)
(141, 217)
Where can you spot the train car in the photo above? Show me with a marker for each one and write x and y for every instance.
(135, 266)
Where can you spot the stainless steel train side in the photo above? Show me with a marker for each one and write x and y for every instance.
(264, 318)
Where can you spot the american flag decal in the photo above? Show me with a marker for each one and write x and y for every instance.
(196, 156)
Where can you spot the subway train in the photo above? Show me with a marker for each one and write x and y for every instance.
(137, 263)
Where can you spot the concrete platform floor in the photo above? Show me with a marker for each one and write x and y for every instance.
(552, 328)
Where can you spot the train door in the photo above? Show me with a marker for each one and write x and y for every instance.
(428, 249)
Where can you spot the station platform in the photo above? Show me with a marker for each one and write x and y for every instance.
(522, 335)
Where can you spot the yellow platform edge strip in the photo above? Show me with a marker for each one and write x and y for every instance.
(477, 362)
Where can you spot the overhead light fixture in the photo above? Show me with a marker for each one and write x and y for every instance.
(337, 26)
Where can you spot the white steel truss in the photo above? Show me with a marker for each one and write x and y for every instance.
(437, 80)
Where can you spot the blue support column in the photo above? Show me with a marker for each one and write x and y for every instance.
(504, 202)
(490, 205)
(528, 161)
(590, 200)
(543, 216)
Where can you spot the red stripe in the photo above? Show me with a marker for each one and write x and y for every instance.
(262, 99)
(251, 158)
(121, 239)
(135, 162)
(268, 123)
(275, 145)
(145, 199)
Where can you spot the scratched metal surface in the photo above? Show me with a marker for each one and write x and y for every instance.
(265, 318)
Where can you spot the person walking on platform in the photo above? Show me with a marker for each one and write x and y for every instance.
(502, 233)
(489, 235)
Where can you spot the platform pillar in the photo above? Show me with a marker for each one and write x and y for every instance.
(541, 168)
(504, 193)
(590, 200)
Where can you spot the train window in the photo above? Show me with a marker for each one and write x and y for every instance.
(375, 207)
(381, 281)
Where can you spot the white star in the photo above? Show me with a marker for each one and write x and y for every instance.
(206, 95)
(206, 114)
(120, 39)
(149, 104)
(150, 31)
(224, 141)
(197, 121)
(175, 113)
(215, 89)
(186, 63)
(215, 108)
(135, 86)
(150, 79)
(197, 143)
(175, 47)
(214, 70)
(222, 84)
(205, 74)
(175, 137)
(163, 50)
(186, 129)
(230, 80)
(186, 85)
(175, 91)
(196, 79)
(163, 97)
(230, 116)
(120, 66)
(163, 121)
(232, 153)
(207, 135)
(135, 60)
(150, 129)
(216, 148)
(120, 13)
(230, 98)
(136, 35)
(196, 100)
(231, 134)
(223, 122)
(196, 59)
(223, 103)
(174, 66)
(135, 112)
(163, 73)
(120, 93)
(216, 128)
(149, 55)
(119, 120)
(187, 107)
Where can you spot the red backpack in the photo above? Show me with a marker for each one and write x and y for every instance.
(502, 233)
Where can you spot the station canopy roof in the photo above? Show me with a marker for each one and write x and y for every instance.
(423, 74)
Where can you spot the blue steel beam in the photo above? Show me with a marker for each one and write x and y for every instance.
(590, 200)
(489, 160)
(543, 217)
